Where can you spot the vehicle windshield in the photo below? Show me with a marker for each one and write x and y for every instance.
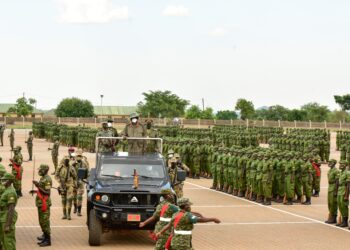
(124, 170)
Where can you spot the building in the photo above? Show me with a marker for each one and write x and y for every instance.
(114, 111)
(4, 107)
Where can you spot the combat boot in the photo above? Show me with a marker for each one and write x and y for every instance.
(259, 199)
(316, 194)
(332, 219)
(64, 214)
(297, 200)
(240, 194)
(307, 202)
(41, 238)
(230, 191)
(75, 208)
(344, 222)
(267, 202)
(214, 186)
(68, 213)
(46, 242)
(79, 210)
(289, 201)
(253, 197)
(235, 192)
(225, 188)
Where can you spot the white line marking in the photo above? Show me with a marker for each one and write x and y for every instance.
(259, 223)
(273, 208)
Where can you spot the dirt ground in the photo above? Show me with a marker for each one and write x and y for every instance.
(245, 225)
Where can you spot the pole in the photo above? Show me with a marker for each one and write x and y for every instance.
(101, 106)
(203, 103)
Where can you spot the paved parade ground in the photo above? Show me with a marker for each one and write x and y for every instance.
(245, 224)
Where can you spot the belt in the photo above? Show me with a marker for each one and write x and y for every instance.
(181, 232)
(165, 219)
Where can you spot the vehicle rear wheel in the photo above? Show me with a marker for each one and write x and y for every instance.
(95, 229)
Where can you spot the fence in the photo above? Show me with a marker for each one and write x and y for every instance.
(199, 123)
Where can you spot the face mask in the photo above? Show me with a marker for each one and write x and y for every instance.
(134, 120)
(161, 199)
(171, 156)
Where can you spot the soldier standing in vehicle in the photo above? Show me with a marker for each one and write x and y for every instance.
(105, 145)
(54, 152)
(67, 178)
(29, 142)
(135, 129)
(43, 203)
(151, 145)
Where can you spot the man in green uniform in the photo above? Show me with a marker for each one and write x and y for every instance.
(43, 203)
(182, 224)
(29, 142)
(12, 139)
(81, 162)
(105, 145)
(151, 145)
(2, 131)
(54, 153)
(333, 175)
(306, 171)
(17, 170)
(162, 216)
(267, 177)
(289, 173)
(135, 129)
(343, 194)
(8, 214)
(67, 178)
(2, 188)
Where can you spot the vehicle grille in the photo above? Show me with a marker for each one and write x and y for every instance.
(135, 199)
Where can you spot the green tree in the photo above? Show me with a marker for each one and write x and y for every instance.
(194, 112)
(297, 115)
(272, 113)
(226, 115)
(338, 115)
(246, 108)
(23, 106)
(208, 114)
(163, 104)
(74, 107)
(315, 112)
(343, 101)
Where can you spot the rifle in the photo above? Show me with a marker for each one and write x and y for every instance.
(33, 175)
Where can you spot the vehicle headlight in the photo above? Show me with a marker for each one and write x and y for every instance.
(105, 198)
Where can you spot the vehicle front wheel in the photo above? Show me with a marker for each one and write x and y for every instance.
(95, 229)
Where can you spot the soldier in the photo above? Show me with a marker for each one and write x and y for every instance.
(67, 178)
(81, 162)
(267, 177)
(316, 185)
(12, 139)
(43, 203)
(29, 142)
(54, 153)
(135, 129)
(182, 225)
(111, 128)
(151, 145)
(289, 173)
(333, 175)
(17, 170)
(105, 145)
(2, 131)
(306, 171)
(8, 214)
(343, 194)
(162, 216)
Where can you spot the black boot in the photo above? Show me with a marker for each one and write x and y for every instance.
(332, 219)
(344, 222)
(316, 194)
(79, 211)
(267, 202)
(75, 208)
(41, 238)
(46, 242)
(307, 202)
(289, 201)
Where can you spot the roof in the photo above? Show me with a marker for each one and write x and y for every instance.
(4, 107)
(114, 110)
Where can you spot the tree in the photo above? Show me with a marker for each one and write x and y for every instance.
(208, 114)
(163, 104)
(194, 112)
(315, 112)
(343, 101)
(74, 107)
(246, 108)
(338, 115)
(297, 115)
(273, 113)
(226, 115)
(23, 106)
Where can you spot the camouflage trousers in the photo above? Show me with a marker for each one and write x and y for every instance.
(78, 195)
(332, 203)
(214, 174)
(316, 183)
(8, 240)
(30, 150)
(44, 220)
(17, 184)
(181, 242)
(55, 161)
(179, 190)
(289, 187)
(67, 199)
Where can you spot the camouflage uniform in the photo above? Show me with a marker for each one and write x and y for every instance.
(55, 153)
(2, 130)
(81, 162)
(12, 139)
(17, 170)
(30, 145)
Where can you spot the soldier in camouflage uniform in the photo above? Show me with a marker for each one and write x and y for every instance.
(67, 178)
(43, 203)
(2, 131)
(12, 139)
(55, 152)
(333, 178)
(105, 145)
(162, 216)
(17, 170)
(80, 162)
(135, 129)
(151, 145)
(343, 193)
(29, 142)
(182, 224)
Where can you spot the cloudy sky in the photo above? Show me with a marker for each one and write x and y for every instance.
(270, 52)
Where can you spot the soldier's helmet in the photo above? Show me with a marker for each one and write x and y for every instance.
(183, 202)
(134, 115)
(332, 161)
(342, 162)
(8, 176)
(166, 191)
(79, 152)
(44, 167)
(170, 152)
(176, 155)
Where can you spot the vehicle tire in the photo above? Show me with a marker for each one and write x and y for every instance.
(95, 229)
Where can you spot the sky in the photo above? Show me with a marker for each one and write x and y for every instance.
(270, 52)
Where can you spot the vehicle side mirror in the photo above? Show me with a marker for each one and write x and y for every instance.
(82, 173)
(181, 175)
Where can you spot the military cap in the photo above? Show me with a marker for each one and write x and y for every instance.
(134, 115)
(166, 191)
(79, 152)
(8, 176)
(18, 148)
(342, 162)
(176, 155)
(44, 167)
(183, 202)
(332, 161)
(170, 151)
